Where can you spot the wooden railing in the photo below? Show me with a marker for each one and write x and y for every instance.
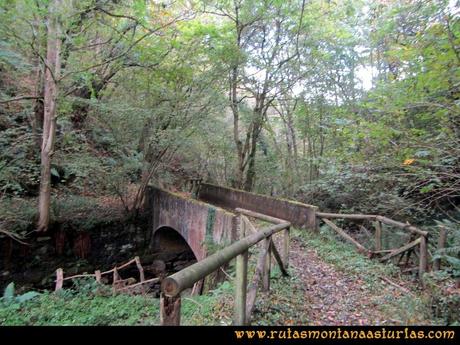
(418, 238)
(118, 284)
(172, 286)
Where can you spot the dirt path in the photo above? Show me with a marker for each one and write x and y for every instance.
(333, 297)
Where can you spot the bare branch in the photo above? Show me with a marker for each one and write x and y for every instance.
(20, 98)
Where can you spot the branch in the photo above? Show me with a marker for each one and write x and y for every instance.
(20, 98)
(130, 47)
(13, 236)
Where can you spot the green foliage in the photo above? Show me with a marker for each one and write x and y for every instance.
(81, 309)
(10, 58)
(82, 213)
(10, 299)
(89, 303)
(364, 189)
(17, 215)
(451, 253)
(445, 304)
(19, 169)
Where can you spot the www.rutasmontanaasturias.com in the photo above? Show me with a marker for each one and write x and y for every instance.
(339, 333)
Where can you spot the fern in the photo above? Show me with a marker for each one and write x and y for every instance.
(10, 298)
(450, 254)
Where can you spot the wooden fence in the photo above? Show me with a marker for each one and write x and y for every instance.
(118, 284)
(419, 238)
(172, 286)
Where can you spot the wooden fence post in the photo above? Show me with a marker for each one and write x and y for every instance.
(312, 223)
(241, 289)
(378, 236)
(423, 257)
(141, 272)
(267, 265)
(170, 310)
(116, 279)
(59, 279)
(241, 280)
(441, 245)
(286, 248)
(98, 276)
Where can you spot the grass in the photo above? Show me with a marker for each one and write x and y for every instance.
(91, 305)
(51, 309)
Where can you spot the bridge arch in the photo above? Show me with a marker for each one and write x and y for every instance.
(198, 223)
(168, 239)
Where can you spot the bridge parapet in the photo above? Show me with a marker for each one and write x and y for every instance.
(299, 214)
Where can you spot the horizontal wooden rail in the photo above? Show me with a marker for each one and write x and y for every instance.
(135, 260)
(346, 216)
(176, 283)
(261, 216)
(385, 220)
(406, 226)
(98, 275)
(350, 239)
(153, 280)
(421, 241)
(395, 252)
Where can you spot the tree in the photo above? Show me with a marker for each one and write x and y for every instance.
(52, 75)
(87, 44)
(264, 45)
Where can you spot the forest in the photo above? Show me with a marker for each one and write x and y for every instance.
(352, 106)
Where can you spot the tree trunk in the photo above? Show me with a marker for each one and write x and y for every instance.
(251, 158)
(236, 135)
(292, 168)
(37, 122)
(293, 138)
(52, 73)
(251, 172)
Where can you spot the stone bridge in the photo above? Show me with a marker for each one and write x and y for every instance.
(209, 219)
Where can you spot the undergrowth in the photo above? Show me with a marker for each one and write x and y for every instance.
(90, 304)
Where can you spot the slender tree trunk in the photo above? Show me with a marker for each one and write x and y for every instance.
(310, 159)
(304, 148)
(236, 130)
(293, 155)
(234, 103)
(37, 122)
(293, 141)
(251, 171)
(289, 159)
(52, 72)
(256, 128)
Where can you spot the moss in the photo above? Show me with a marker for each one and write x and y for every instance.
(210, 221)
